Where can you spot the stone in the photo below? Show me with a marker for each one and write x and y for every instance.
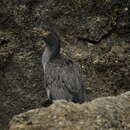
(108, 113)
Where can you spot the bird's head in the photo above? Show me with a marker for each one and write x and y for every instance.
(50, 37)
(44, 31)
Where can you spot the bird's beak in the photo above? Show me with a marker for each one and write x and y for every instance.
(41, 31)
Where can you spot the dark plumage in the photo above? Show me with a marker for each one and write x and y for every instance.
(62, 78)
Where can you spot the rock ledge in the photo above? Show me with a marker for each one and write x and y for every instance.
(109, 113)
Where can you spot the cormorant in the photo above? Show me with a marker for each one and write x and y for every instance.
(62, 77)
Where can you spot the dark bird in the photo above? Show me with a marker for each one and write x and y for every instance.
(62, 77)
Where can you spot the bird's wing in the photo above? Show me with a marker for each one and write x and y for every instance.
(71, 76)
(64, 82)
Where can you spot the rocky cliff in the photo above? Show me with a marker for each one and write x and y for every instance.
(93, 33)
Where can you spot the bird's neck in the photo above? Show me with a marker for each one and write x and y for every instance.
(46, 57)
(52, 50)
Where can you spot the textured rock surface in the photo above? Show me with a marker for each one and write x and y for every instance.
(110, 113)
(106, 66)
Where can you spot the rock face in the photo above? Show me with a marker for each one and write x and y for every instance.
(81, 24)
(110, 113)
